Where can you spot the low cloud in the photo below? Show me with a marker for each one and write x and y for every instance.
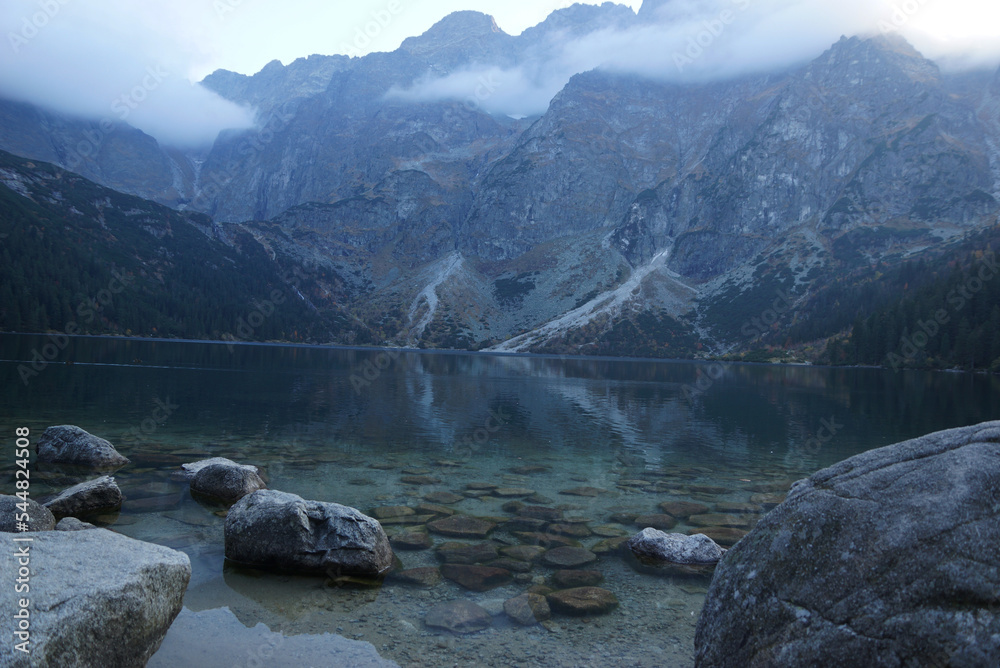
(108, 61)
(695, 40)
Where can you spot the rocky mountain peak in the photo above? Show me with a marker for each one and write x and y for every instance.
(650, 10)
(456, 27)
(579, 19)
(858, 60)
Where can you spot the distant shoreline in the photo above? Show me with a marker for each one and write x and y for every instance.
(451, 351)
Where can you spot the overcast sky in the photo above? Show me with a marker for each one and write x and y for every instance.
(137, 61)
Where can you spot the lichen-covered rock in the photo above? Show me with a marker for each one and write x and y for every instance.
(97, 598)
(889, 558)
(39, 517)
(68, 444)
(86, 498)
(271, 529)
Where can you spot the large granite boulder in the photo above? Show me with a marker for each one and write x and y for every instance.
(97, 598)
(39, 518)
(889, 558)
(226, 482)
(86, 498)
(272, 529)
(67, 444)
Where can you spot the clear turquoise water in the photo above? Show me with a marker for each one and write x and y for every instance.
(348, 425)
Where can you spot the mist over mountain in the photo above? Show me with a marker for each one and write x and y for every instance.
(603, 182)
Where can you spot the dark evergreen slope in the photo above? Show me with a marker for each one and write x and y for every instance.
(81, 258)
(935, 309)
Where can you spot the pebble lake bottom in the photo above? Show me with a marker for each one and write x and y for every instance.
(601, 443)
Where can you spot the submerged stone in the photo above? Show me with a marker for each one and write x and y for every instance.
(527, 609)
(458, 617)
(684, 509)
(583, 601)
(476, 578)
(421, 577)
(568, 557)
(661, 522)
(462, 526)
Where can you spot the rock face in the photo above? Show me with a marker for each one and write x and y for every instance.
(675, 548)
(40, 518)
(67, 444)
(888, 558)
(97, 598)
(225, 482)
(92, 496)
(272, 529)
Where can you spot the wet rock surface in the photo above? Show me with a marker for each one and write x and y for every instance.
(903, 564)
(272, 529)
(86, 498)
(69, 444)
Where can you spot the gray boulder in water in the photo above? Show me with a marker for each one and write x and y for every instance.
(889, 558)
(91, 496)
(188, 471)
(68, 444)
(97, 598)
(226, 482)
(39, 517)
(272, 529)
(676, 548)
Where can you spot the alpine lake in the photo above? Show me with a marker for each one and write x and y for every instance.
(599, 442)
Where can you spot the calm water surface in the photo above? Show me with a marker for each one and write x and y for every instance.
(349, 425)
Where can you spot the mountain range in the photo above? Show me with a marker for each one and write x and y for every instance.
(636, 215)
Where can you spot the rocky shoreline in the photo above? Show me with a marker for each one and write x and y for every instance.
(534, 555)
